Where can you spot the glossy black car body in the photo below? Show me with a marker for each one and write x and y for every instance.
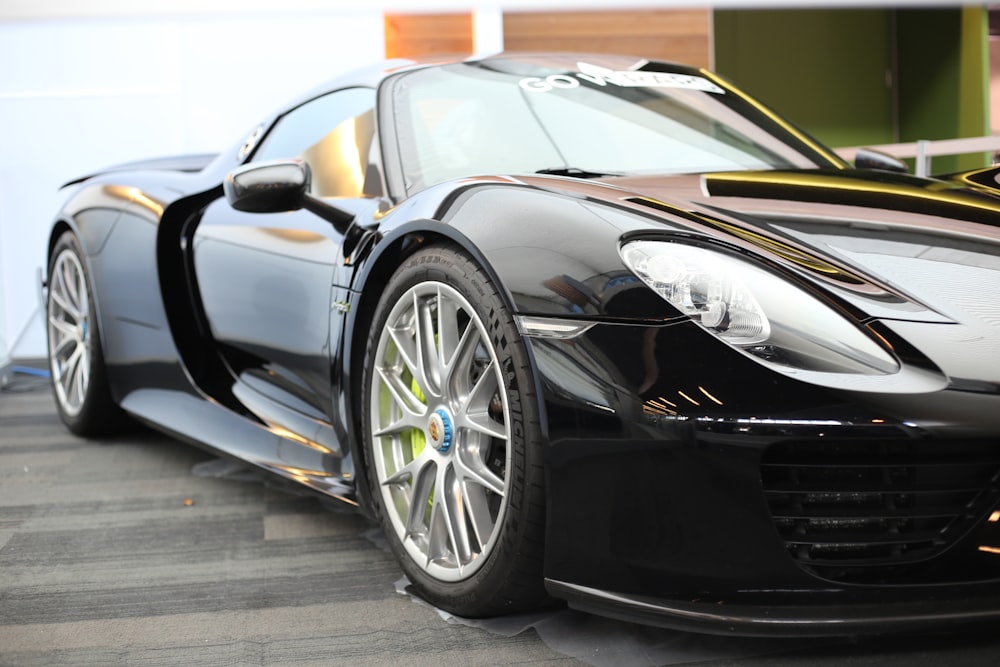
(687, 481)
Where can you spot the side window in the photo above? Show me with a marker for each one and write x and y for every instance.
(334, 134)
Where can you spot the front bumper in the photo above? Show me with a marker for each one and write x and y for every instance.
(781, 620)
(682, 475)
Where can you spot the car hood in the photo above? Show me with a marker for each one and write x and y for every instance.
(922, 256)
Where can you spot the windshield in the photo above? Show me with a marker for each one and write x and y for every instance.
(512, 117)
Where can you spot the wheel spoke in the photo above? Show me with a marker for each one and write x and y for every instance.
(482, 423)
(447, 327)
(59, 371)
(477, 472)
(62, 326)
(438, 549)
(457, 525)
(421, 497)
(62, 345)
(71, 285)
(429, 362)
(82, 375)
(476, 410)
(69, 377)
(481, 518)
(404, 342)
(67, 307)
(403, 417)
(457, 370)
(450, 526)
(406, 473)
(407, 421)
(402, 395)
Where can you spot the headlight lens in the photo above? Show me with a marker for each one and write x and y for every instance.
(755, 310)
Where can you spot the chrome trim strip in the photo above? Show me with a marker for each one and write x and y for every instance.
(551, 327)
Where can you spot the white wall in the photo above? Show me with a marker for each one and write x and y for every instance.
(88, 84)
(78, 95)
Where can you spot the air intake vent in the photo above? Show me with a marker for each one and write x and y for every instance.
(877, 512)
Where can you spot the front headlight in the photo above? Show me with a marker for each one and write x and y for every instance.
(756, 310)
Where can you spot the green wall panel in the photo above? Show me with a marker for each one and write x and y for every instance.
(865, 76)
(826, 70)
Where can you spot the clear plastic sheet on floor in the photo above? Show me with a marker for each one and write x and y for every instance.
(598, 641)
(604, 642)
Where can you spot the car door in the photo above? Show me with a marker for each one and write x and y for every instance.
(265, 279)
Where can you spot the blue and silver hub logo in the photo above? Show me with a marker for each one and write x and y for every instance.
(439, 430)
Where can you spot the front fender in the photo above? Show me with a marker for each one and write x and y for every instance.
(552, 253)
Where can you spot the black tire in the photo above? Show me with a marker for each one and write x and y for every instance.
(76, 359)
(452, 438)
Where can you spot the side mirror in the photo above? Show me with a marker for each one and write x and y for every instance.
(866, 158)
(268, 187)
(279, 186)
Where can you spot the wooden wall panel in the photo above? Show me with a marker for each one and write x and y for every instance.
(411, 35)
(678, 35)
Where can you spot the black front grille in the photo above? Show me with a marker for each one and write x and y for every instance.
(877, 511)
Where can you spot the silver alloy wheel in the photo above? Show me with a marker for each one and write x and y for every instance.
(69, 331)
(440, 431)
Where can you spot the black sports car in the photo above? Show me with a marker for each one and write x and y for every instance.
(580, 327)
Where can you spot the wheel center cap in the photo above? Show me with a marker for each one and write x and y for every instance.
(439, 430)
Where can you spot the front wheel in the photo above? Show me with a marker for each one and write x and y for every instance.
(452, 438)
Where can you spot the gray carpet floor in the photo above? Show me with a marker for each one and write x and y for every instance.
(114, 552)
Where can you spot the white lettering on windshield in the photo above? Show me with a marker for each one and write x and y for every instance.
(602, 76)
(539, 85)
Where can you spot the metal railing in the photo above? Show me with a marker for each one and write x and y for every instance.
(924, 150)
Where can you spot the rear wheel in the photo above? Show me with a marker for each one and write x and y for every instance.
(76, 361)
(451, 438)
